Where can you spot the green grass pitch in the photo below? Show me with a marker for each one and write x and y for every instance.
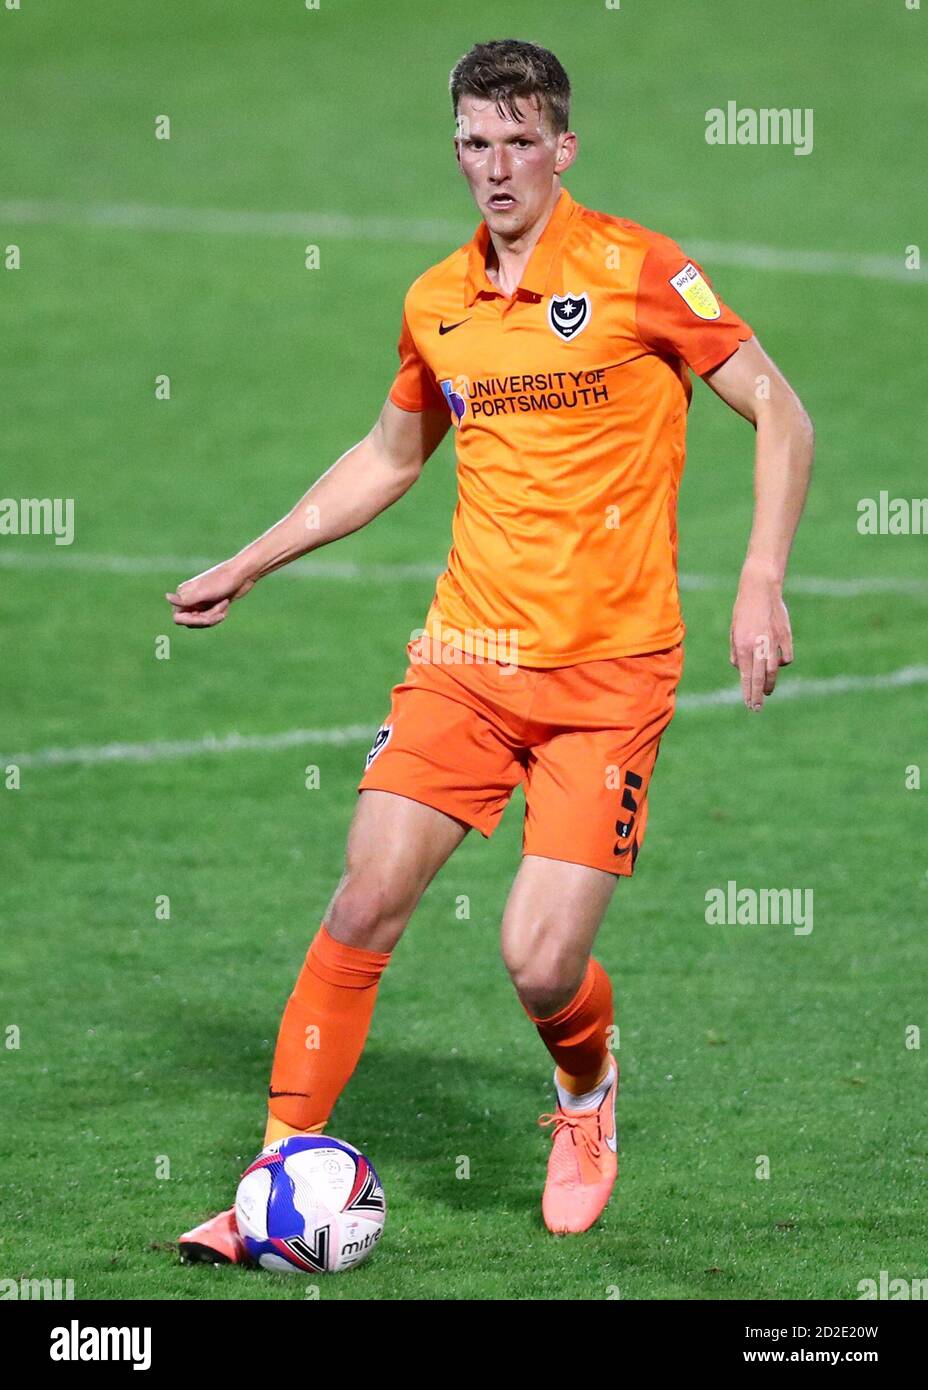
(144, 1045)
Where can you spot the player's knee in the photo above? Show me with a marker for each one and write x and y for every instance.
(545, 986)
(364, 913)
(545, 1000)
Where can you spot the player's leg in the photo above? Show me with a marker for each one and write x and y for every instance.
(586, 789)
(395, 848)
(551, 919)
(442, 761)
(552, 915)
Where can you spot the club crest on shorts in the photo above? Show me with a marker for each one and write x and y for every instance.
(381, 739)
(569, 314)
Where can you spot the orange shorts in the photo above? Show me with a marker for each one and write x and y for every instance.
(582, 741)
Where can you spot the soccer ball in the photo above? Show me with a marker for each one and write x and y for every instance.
(310, 1205)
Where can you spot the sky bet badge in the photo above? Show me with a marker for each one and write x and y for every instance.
(693, 289)
(457, 403)
(568, 314)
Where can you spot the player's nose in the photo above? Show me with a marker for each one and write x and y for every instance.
(499, 169)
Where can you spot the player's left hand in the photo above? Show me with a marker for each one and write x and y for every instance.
(761, 637)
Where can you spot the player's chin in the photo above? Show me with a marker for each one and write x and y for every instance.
(504, 214)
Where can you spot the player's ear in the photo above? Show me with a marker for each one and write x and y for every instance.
(566, 153)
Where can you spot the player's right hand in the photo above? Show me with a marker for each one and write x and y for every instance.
(204, 600)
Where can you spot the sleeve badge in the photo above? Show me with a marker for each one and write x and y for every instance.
(695, 292)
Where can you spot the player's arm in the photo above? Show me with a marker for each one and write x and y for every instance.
(359, 486)
(761, 639)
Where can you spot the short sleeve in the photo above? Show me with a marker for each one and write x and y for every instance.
(680, 315)
(414, 387)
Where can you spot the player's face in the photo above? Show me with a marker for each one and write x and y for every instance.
(510, 165)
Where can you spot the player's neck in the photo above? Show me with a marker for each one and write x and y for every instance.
(506, 260)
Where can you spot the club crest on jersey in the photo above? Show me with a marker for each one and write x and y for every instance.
(569, 314)
(456, 402)
(695, 292)
(381, 739)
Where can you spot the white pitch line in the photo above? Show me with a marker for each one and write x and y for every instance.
(861, 266)
(54, 557)
(180, 567)
(789, 688)
(810, 687)
(437, 231)
(192, 747)
(854, 588)
(146, 217)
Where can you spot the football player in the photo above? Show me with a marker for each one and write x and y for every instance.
(558, 345)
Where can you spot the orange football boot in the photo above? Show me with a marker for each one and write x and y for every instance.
(582, 1166)
(215, 1242)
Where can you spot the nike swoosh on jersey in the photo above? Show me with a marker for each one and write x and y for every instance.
(444, 328)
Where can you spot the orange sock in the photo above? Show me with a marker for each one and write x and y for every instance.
(576, 1035)
(322, 1034)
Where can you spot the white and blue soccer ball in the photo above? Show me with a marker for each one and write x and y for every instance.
(310, 1205)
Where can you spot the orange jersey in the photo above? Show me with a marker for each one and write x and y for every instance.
(569, 402)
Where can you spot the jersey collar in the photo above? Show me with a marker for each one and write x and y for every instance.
(537, 273)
